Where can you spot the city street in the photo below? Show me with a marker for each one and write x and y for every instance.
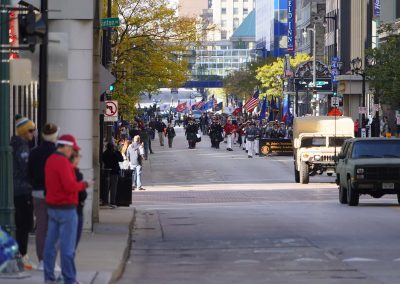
(213, 216)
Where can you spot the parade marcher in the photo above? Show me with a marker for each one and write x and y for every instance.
(191, 133)
(82, 195)
(215, 133)
(160, 129)
(229, 130)
(25, 129)
(111, 159)
(245, 144)
(250, 138)
(62, 190)
(257, 138)
(170, 134)
(37, 161)
(135, 157)
(276, 131)
(204, 123)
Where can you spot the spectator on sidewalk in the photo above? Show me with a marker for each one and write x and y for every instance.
(135, 156)
(170, 134)
(37, 161)
(146, 139)
(62, 190)
(160, 129)
(25, 129)
(111, 159)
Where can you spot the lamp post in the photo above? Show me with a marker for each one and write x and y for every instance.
(6, 182)
(313, 30)
(358, 68)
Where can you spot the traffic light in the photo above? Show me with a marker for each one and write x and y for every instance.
(111, 88)
(29, 29)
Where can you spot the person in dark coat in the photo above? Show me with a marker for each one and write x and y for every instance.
(216, 133)
(25, 129)
(36, 163)
(170, 134)
(111, 159)
(191, 133)
(160, 129)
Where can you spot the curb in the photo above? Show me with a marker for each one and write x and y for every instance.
(112, 277)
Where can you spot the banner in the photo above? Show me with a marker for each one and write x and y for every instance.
(377, 8)
(283, 147)
(291, 32)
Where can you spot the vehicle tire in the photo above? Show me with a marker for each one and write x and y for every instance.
(304, 173)
(342, 195)
(330, 174)
(296, 175)
(352, 194)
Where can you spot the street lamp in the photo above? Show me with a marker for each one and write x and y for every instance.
(358, 68)
(313, 29)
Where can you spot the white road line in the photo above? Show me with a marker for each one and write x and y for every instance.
(359, 259)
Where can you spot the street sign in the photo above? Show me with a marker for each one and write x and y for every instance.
(362, 110)
(109, 22)
(334, 69)
(335, 101)
(111, 111)
(322, 84)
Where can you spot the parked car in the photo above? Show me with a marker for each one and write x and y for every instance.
(368, 166)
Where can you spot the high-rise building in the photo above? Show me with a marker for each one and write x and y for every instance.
(192, 8)
(271, 26)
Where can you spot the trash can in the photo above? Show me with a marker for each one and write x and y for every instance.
(104, 186)
(124, 189)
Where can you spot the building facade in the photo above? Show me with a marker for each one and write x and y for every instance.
(272, 27)
(192, 8)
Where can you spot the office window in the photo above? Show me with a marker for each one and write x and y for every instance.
(235, 23)
(223, 23)
(245, 12)
(223, 11)
(223, 34)
(235, 11)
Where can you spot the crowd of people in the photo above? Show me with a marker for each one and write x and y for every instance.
(48, 184)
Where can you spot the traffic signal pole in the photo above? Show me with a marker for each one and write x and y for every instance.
(6, 181)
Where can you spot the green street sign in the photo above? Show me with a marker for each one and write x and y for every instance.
(110, 22)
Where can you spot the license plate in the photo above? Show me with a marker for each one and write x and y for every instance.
(388, 185)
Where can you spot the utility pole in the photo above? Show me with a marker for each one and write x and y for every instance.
(6, 181)
(43, 70)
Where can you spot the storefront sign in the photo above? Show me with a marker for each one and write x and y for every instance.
(291, 33)
(281, 147)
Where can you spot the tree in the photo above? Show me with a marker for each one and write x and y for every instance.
(241, 83)
(149, 48)
(271, 75)
(384, 75)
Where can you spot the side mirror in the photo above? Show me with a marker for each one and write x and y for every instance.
(296, 143)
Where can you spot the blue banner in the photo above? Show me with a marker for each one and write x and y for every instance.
(291, 30)
(377, 8)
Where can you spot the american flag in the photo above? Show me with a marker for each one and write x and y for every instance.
(253, 102)
(181, 107)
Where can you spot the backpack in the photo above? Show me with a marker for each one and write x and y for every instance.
(135, 155)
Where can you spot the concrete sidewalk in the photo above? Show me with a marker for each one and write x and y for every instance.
(101, 254)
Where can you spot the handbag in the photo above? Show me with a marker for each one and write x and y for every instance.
(198, 138)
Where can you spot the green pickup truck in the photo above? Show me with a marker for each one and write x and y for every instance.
(368, 166)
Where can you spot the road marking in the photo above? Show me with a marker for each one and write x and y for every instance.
(246, 261)
(397, 259)
(359, 259)
(309, 259)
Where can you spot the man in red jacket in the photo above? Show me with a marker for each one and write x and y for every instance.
(61, 198)
(229, 130)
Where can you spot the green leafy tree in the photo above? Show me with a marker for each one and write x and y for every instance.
(384, 74)
(271, 75)
(149, 49)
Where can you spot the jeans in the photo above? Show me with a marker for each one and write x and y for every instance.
(79, 229)
(136, 176)
(170, 140)
(62, 231)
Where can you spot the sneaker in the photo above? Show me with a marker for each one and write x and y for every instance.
(28, 263)
(141, 188)
(40, 266)
(112, 206)
(133, 188)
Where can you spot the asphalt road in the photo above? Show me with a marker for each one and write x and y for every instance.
(213, 216)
